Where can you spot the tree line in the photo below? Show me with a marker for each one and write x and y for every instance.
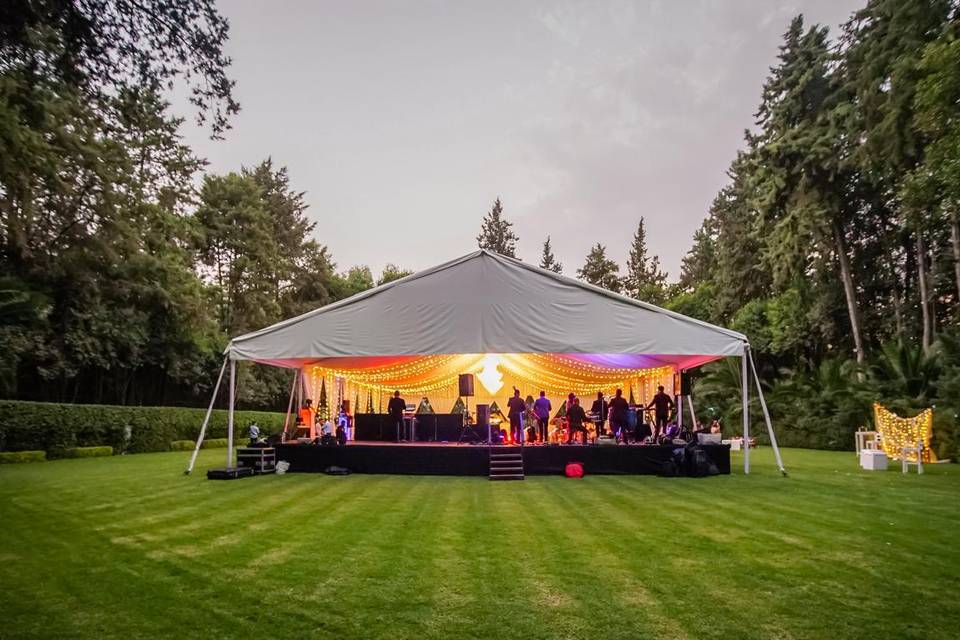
(643, 280)
(125, 265)
(121, 279)
(835, 244)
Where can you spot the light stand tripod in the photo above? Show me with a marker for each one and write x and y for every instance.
(467, 427)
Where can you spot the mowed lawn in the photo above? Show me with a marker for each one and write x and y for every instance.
(129, 547)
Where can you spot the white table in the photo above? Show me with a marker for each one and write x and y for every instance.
(736, 444)
(873, 460)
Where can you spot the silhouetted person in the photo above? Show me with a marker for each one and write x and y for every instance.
(576, 416)
(395, 409)
(662, 404)
(599, 409)
(542, 408)
(619, 408)
(516, 407)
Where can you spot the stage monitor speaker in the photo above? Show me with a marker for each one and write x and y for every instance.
(466, 384)
(483, 415)
(681, 383)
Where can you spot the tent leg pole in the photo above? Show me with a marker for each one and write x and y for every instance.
(766, 417)
(693, 414)
(299, 385)
(233, 398)
(286, 418)
(679, 405)
(746, 408)
(206, 419)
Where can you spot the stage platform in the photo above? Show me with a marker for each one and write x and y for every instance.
(474, 460)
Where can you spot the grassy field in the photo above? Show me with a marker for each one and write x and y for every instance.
(128, 547)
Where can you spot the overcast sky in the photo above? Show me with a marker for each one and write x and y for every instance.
(403, 121)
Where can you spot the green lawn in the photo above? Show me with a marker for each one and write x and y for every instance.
(128, 547)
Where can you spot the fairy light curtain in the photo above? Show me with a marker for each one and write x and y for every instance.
(896, 432)
(436, 377)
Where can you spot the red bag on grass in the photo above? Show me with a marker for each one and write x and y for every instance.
(574, 470)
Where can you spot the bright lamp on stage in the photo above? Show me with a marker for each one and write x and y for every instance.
(489, 376)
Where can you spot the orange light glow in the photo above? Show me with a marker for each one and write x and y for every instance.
(436, 377)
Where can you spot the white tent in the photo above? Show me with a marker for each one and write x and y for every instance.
(486, 303)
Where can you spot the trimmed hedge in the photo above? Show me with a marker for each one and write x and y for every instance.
(54, 428)
(88, 452)
(208, 443)
(10, 457)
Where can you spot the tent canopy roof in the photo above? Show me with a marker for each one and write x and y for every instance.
(481, 303)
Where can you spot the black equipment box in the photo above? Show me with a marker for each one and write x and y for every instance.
(257, 459)
(228, 474)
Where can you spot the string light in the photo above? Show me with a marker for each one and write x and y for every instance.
(555, 374)
(897, 433)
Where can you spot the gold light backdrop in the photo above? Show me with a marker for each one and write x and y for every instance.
(897, 432)
(495, 375)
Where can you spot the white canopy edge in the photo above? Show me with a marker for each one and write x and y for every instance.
(272, 344)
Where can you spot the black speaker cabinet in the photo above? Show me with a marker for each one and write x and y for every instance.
(483, 415)
(466, 384)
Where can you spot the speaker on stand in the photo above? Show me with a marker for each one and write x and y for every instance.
(465, 384)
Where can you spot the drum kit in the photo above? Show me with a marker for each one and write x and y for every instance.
(558, 435)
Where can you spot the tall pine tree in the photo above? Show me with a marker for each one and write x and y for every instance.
(644, 280)
(883, 48)
(496, 233)
(547, 260)
(600, 270)
(802, 184)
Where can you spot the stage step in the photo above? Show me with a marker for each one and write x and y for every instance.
(506, 465)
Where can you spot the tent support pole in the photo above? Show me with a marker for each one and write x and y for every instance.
(286, 418)
(693, 414)
(299, 385)
(206, 419)
(679, 405)
(678, 399)
(744, 380)
(766, 417)
(233, 398)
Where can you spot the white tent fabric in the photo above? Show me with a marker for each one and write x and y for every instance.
(488, 303)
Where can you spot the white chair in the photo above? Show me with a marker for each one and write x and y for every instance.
(866, 440)
(905, 460)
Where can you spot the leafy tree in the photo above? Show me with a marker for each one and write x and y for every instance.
(906, 375)
(95, 185)
(842, 406)
(802, 186)
(937, 118)
(98, 47)
(700, 262)
(883, 45)
(699, 303)
(547, 260)
(644, 280)
(496, 233)
(740, 275)
(355, 280)
(599, 270)
(238, 248)
(392, 272)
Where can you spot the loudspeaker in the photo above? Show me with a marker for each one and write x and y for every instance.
(466, 384)
(483, 415)
(682, 383)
